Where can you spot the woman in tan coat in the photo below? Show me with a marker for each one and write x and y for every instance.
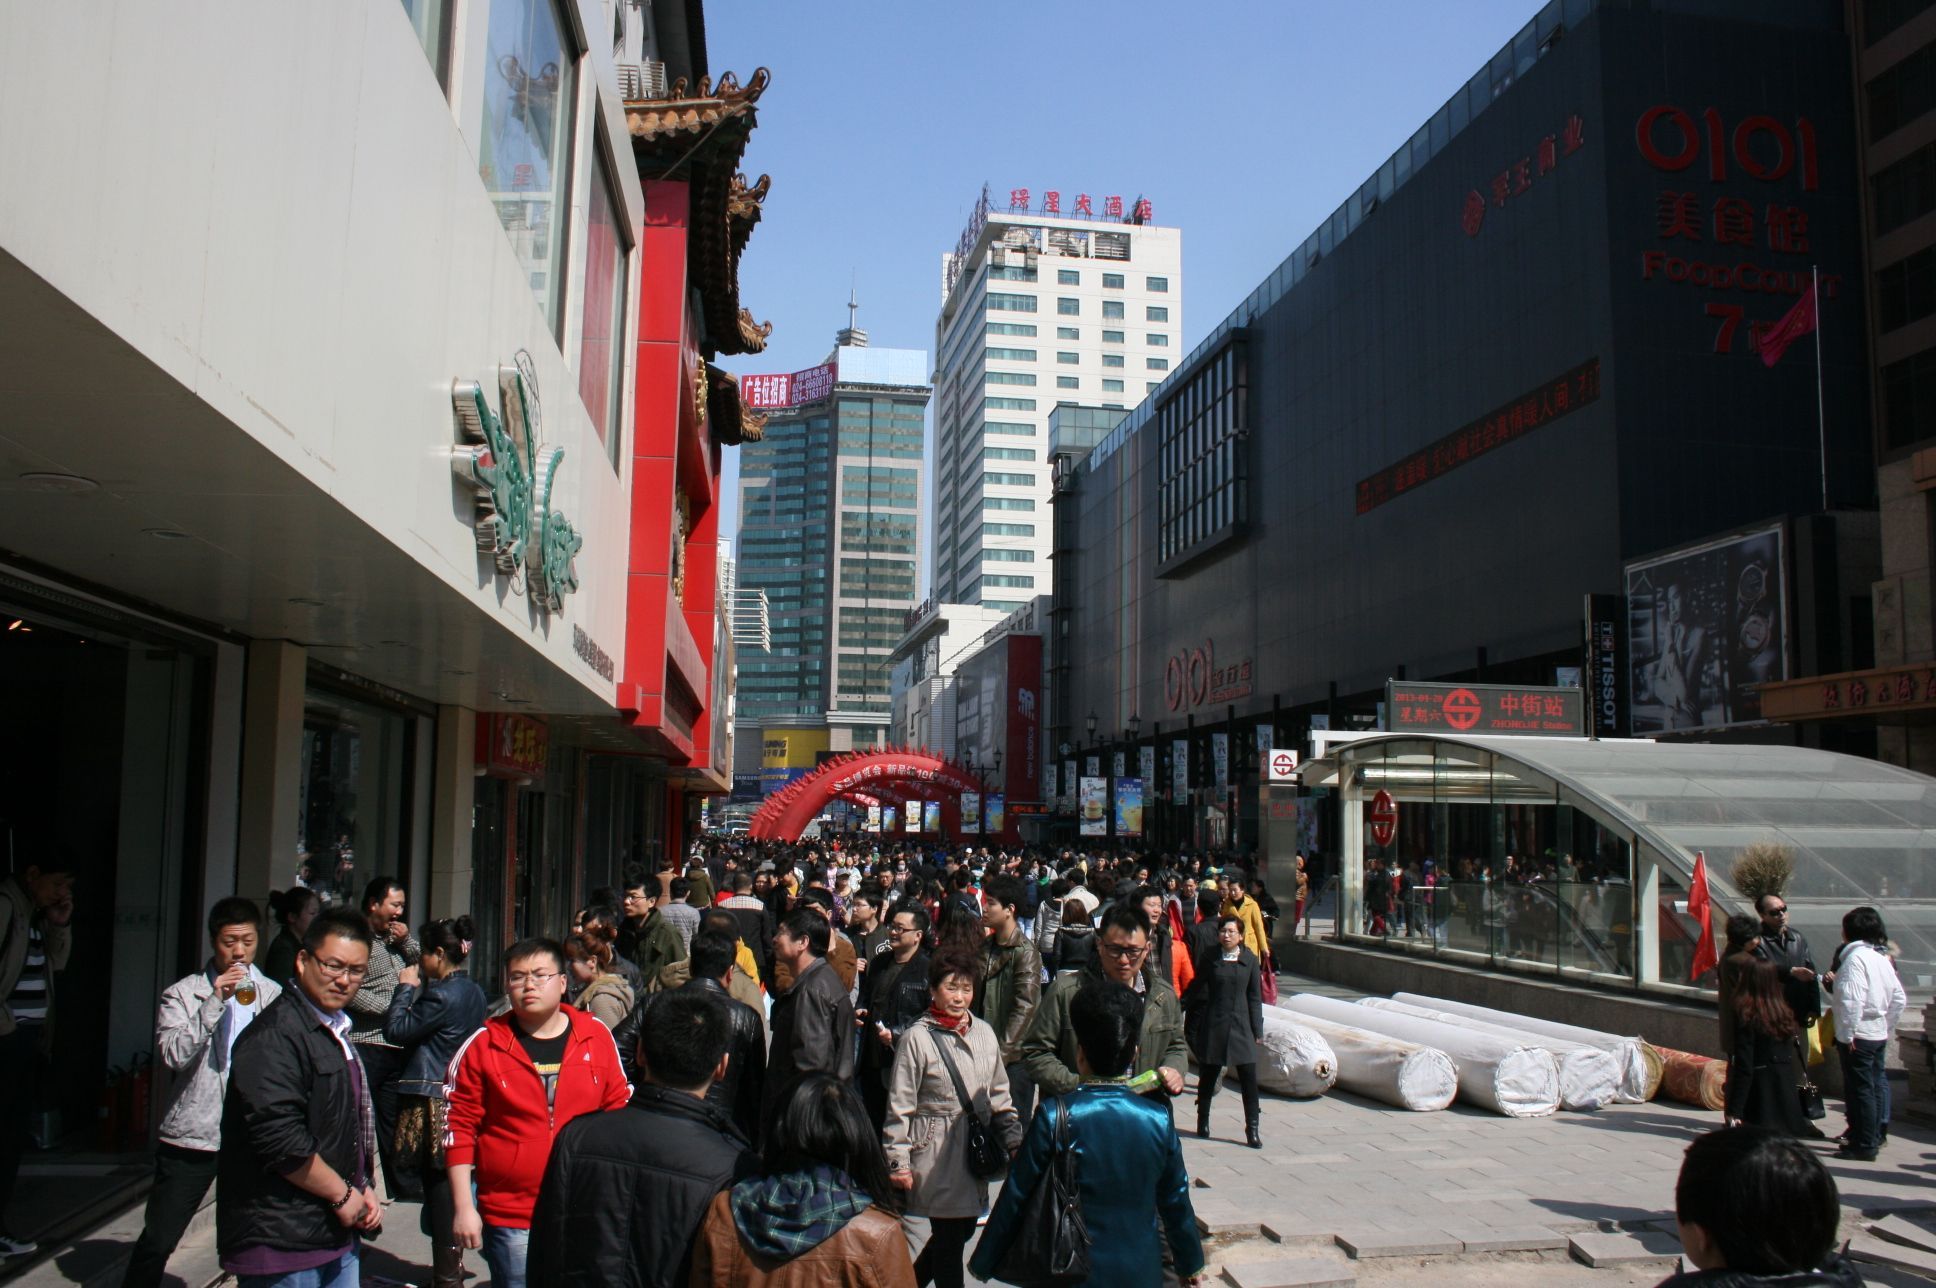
(822, 1213)
(598, 990)
(925, 1131)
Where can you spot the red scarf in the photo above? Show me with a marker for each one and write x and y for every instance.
(952, 1023)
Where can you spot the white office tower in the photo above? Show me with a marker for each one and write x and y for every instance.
(1061, 299)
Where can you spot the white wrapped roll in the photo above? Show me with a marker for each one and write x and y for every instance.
(1292, 1059)
(1638, 1081)
(1500, 1074)
(1589, 1077)
(1378, 1067)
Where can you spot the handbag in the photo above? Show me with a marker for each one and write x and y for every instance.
(986, 1158)
(1810, 1096)
(1051, 1244)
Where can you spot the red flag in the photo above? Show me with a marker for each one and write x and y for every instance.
(1794, 324)
(1700, 907)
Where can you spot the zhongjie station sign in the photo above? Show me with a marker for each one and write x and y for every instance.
(1485, 708)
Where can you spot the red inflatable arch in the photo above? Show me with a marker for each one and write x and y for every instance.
(885, 772)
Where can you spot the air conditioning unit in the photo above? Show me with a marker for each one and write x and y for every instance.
(641, 80)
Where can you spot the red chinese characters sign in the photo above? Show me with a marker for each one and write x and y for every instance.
(1484, 708)
(787, 389)
(1518, 178)
(1054, 202)
(1876, 692)
(513, 746)
(1192, 678)
(1530, 411)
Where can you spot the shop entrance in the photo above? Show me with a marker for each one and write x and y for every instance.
(103, 756)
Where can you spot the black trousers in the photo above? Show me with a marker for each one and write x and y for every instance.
(941, 1263)
(382, 1066)
(1210, 1077)
(1021, 1088)
(182, 1178)
(21, 1065)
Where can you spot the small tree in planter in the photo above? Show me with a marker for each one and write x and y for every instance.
(1765, 867)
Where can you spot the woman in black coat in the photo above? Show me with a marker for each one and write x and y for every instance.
(1761, 1081)
(1223, 1018)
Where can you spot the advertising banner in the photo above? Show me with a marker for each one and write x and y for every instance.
(1180, 770)
(1146, 762)
(786, 389)
(1129, 807)
(1066, 803)
(1266, 739)
(513, 746)
(970, 813)
(1417, 707)
(1705, 625)
(1220, 761)
(890, 818)
(873, 818)
(1606, 664)
(1094, 811)
(746, 787)
(1092, 766)
(914, 816)
(1022, 769)
(1120, 767)
(997, 815)
(931, 816)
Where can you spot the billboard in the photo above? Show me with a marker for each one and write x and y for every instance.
(874, 818)
(787, 754)
(997, 816)
(1485, 708)
(890, 817)
(1606, 665)
(1129, 807)
(1705, 625)
(786, 389)
(1093, 806)
(1021, 767)
(931, 816)
(970, 813)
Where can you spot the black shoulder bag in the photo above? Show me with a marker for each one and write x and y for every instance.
(1051, 1244)
(986, 1158)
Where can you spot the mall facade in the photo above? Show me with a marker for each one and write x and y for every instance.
(358, 499)
(1518, 413)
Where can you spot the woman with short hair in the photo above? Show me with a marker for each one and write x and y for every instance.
(600, 989)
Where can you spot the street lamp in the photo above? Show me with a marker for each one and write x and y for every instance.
(1090, 726)
(1135, 727)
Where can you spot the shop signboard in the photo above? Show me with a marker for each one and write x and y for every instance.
(1417, 707)
(1606, 664)
(514, 746)
(1129, 807)
(997, 815)
(931, 816)
(1094, 811)
(970, 813)
(512, 473)
(1706, 625)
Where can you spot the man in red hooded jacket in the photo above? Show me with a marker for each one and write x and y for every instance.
(512, 1087)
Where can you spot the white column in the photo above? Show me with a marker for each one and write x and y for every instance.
(1646, 912)
(272, 721)
(451, 794)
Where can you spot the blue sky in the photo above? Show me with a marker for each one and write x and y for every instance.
(1245, 124)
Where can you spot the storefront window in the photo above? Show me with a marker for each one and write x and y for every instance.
(601, 349)
(525, 138)
(352, 793)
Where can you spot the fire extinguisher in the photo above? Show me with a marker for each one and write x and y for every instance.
(108, 1112)
(141, 1082)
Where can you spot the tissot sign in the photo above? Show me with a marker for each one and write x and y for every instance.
(1485, 708)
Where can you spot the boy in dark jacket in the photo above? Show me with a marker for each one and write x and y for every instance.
(293, 1185)
(625, 1191)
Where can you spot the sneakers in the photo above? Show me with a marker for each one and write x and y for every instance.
(13, 1246)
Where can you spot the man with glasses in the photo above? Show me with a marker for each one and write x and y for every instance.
(645, 936)
(391, 949)
(894, 994)
(513, 1085)
(1049, 1049)
(1783, 945)
(294, 1182)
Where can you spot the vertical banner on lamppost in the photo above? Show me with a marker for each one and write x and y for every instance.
(1095, 807)
(997, 813)
(970, 813)
(931, 816)
(1180, 771)
(1129, 807)
(1220, 762)
(1067, 803)
(1266, 739)
(1121, 766)
(1146, 763)
(1092, 766)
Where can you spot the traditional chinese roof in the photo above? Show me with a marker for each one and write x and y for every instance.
(733, 422)
(699, 137)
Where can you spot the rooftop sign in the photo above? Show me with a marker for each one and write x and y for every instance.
(787, 389)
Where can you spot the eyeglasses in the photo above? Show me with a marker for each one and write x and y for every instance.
(1122, 952)
(1778, 912)
(536, 978)
(338, 970)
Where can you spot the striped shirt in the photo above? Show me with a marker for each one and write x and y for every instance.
(28, 1001)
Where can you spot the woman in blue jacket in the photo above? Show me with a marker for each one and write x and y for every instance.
(1129, 1169)
(431, 1014)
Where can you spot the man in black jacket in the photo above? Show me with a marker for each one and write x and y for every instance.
(813, 1021)
(294, 1182)
(625, 1191)
(738, 1091)
(894, 994)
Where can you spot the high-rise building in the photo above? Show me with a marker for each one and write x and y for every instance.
(1069, 299)
(829, 531)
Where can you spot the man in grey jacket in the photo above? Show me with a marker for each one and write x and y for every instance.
(201, 1016)
(391, 949)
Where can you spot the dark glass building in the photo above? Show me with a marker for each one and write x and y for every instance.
(1559, 331)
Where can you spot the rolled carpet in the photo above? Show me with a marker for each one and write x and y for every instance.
(1589, 1077)
(1381, 1068)
(1292, 1058)
(1694, 1079)
(1640, 1068)
(1506, 1076)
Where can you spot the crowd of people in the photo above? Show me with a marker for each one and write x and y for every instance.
(803, 1065)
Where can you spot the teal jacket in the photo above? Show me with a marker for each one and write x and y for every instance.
(1129, 1173)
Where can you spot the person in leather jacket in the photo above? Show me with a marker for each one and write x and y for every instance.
(625, 1190)
(1755, 1207)
(894, 994)
(737, 1092)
